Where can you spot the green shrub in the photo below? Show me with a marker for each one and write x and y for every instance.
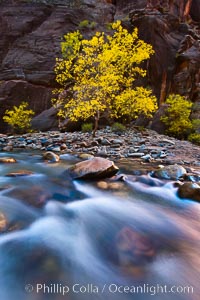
(118, 127)
(19, 118)
(87, 24)
(196, 124)
(92, 25)
(109, 26)
(177, 117)
(194, 138)
(87, 127)
(84, 24)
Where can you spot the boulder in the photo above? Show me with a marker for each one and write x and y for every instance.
(47, 120)
(189, 190)
(94, 168)
(172, 172)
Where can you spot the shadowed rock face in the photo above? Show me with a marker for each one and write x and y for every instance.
(165, 33)
(186, 79)
(123, 8)
(195, 10)
(31, 32)
(175, 38)
(30, 40)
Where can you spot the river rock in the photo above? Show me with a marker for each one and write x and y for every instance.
(135, 250)
(85, 156)
(194, 177)
(102, 185)
(8, 148)
(113, 185)
(7, 160)
(35, 196)
(19, 173)
(105, 142)
(136, 155)
(63, 146)
(173, 172)
(56, 149)
(102, 152)
(50, 156)
(189, 190)
(3, 222)
(167, 141)
(147, 157)
(95, 168)
(117, 141)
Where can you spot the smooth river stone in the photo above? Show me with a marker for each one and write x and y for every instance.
(7, 160)
(189, 190)
(172, 172)
(95, 168)
(50, 156)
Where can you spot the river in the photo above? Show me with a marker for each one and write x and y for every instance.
(74, 240)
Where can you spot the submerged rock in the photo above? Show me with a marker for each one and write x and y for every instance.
(35, 196)
(19, 173)
(7, 160)
(102, 185)
(173, 172)
(3, 222)
(95, 168)
(135, 250)
(130, 240)
(8, 226)
(189, 190)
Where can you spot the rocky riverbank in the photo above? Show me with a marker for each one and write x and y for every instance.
(145, 146)
(135, 152)
(140, 156)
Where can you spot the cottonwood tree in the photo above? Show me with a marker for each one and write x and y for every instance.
(98, 76)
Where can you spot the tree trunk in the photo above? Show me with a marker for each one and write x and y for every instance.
(163, 88)
(96, 123)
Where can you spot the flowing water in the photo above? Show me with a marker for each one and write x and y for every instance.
(71, 240)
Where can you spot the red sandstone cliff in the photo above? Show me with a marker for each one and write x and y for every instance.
(30, 35)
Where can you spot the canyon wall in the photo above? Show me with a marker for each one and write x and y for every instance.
(31, 32)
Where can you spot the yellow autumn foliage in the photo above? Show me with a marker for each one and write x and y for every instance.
(177, 116)
(19, 118)
(98, 75)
